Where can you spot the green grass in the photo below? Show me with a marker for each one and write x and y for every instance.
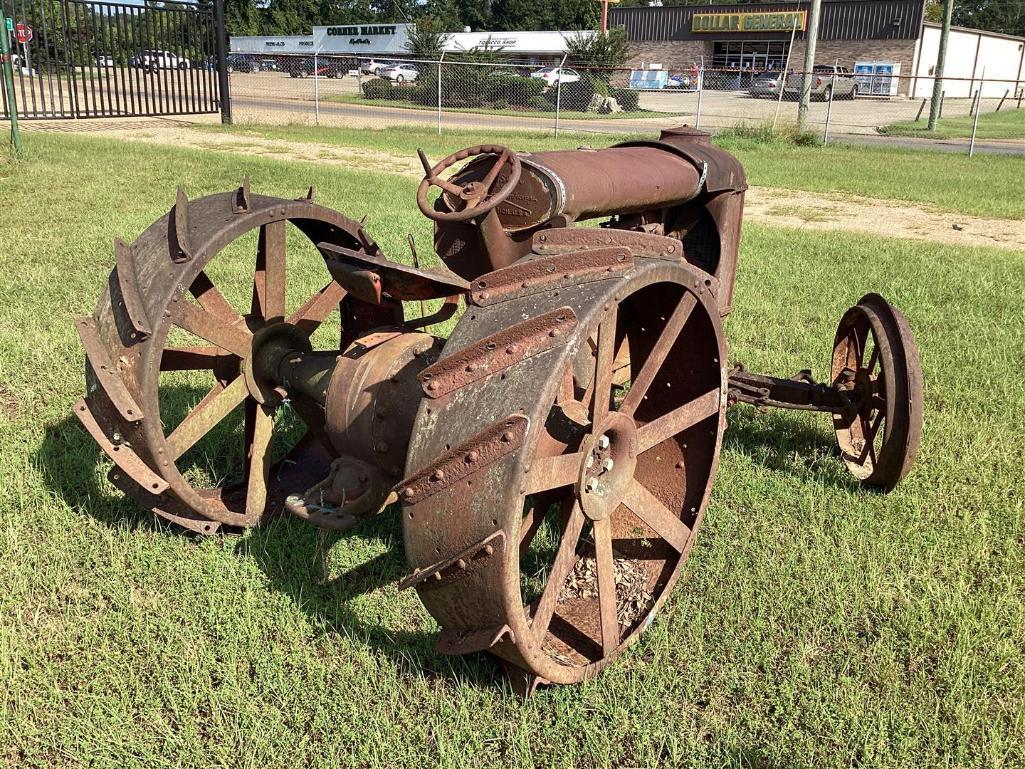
(986, 185)
(1007, 124)
(815, 626)
(567, 114)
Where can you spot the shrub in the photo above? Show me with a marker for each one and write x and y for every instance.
(517, 91)
(377, 89)
(764, 133)
(499, 104)
(628, 99)
(578, 95)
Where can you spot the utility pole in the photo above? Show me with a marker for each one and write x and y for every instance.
(811, 37)
(941, 62)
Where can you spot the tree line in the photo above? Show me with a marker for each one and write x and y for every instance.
(297, 17)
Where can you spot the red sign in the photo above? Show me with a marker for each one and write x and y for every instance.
(23, 32)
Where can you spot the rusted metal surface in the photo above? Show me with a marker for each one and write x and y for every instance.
(498, 351)
(398, 281)
(641, 244)
(471, 456)
(535, 275)
(582, 392)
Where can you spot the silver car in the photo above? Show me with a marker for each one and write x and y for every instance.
(766, 84)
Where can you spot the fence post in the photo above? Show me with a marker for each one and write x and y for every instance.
(440, 59)
(829, 107)
(12, 104)
(978, 109)
(921, 109)
(701, 87)
(558, 94)
(222, 62)
(943, 95)
(1002, 98)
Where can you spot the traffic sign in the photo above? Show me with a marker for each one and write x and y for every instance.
(23, 32)
(10, 24)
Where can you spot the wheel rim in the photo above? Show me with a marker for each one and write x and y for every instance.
(876, 359)
(223, 341)
(608, 566)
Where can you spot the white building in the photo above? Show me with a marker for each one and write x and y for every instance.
(390, 40)
(971, 53)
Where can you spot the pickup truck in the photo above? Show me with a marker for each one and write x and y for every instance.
(844, 86)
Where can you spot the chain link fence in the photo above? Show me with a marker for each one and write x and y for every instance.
(450, 94)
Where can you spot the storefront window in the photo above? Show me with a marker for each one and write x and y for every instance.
(750, 55)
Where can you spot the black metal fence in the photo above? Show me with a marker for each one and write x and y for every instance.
(83, 59)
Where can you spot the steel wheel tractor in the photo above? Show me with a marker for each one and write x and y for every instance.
(553, 457)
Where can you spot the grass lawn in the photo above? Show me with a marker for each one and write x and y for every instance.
(985, 185)
(355, 98)
(815, 626)
(1006, 124)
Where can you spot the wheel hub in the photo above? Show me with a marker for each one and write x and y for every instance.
(271, 345)
(607, 467)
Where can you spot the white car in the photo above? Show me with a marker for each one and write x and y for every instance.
(153, 60)
(400, 73)
(553, 75)
(374, 66)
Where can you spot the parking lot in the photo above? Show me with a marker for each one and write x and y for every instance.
(275, 97)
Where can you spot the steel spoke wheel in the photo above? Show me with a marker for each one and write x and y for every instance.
(876, 361)
(171, 329)
(592, 516)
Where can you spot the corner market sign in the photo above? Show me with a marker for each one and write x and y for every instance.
(749, 22)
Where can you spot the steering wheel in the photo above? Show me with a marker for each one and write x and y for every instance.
(477, 197)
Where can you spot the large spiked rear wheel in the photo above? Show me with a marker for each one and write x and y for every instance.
(550, 511)
(162, 316)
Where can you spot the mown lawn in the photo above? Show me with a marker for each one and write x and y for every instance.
(986, 185)
(1006, 124)
(816, 625)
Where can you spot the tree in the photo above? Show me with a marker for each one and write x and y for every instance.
(598, 51)
(1005, 16)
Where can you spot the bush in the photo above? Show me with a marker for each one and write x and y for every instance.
(577, 96)
(500, 104)
(628, 99)
(518, 91)
(377, 89)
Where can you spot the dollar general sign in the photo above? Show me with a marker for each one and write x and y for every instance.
(749, 22)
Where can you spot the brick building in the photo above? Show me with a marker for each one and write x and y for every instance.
(754, 38)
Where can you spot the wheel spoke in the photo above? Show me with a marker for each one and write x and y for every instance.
(657, 356)
(606, 567)
(869, 431)
(269, 279)
(873, 359)
(207, 326)
(259, 460)
(488, 180)
(446, 185)
(604, 369)
(565, 559)
(207, 414)
(211, 299)
(188, 358)
(657, 516)
(677, 420)
(316, 309)
(552, 472)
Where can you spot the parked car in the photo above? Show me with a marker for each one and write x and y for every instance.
(239, 62)
(296, 66)
(844, 86)
(399, 73)
(374, 66)
(154, 60)
(553, 75)
(104, 61)
(678, 81)
(765, 84)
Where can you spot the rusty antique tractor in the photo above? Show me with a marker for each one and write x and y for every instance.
(553, 457)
